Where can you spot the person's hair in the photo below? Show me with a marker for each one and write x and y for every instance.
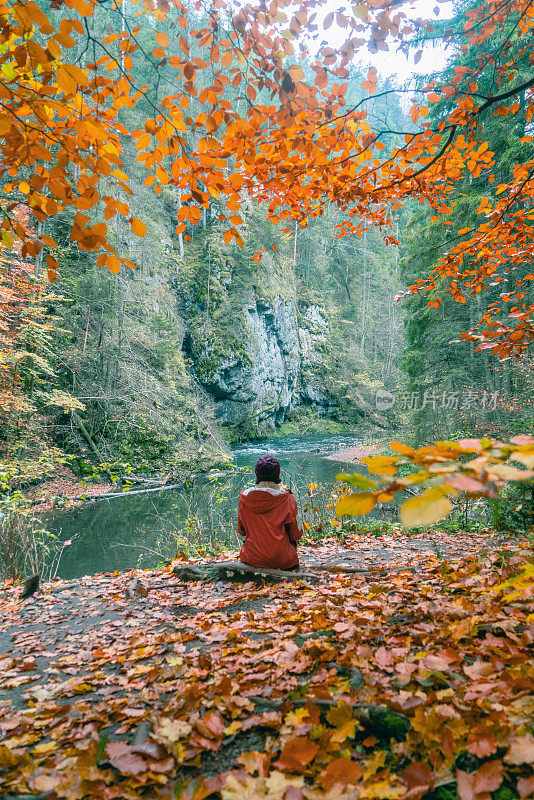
(267, 469)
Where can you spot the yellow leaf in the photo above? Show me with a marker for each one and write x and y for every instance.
(509, 473)
(45, 747)
(9, 759)
(384, 789)
(297, 73)
(416, 477)
(374, 763)
(341, 718)
(9, 71)
(357, 480)
(426, 509)
(82, 688)
(69, 77)
(297, 716)
(170, 730)
(239, 786)
(381, 465)
(355, 505)
(233, 728)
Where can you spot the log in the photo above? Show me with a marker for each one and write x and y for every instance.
(500, 628)
(381, 720)
(42, 796)
(162, 487)
(29, 587)
(136, 587)
(236, 571)
(87, 436)
(341, 568)
(189, 572)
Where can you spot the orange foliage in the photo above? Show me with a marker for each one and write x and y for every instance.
(291, 142)
(19, 290)
(474, 467)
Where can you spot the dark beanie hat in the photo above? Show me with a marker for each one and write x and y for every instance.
(267, 469)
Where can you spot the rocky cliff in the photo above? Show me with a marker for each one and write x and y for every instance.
(260, 341)
(267, 367)
(262, 382)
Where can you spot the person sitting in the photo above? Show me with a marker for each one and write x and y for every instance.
(267, 518)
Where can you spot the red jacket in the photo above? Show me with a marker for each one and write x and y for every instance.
(267, 518)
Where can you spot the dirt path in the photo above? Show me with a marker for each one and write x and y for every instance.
(177, 680)
(67, 613)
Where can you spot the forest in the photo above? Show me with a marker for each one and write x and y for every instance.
(279, 230)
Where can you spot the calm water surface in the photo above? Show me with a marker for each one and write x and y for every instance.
(141, 529)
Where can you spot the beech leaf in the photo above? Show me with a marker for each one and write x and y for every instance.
(426, 509)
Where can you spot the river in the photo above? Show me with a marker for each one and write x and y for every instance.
(143, 530)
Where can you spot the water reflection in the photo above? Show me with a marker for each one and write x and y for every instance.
(136, 530)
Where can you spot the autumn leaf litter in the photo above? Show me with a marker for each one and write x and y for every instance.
(413, 679)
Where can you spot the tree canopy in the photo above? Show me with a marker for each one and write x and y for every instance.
(227, 103)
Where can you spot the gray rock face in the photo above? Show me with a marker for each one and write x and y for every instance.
(263, 386)
(312, 334)
(313, 331)
(271, 364)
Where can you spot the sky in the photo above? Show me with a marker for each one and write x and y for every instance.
(395, 64)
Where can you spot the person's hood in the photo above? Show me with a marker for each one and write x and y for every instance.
(261, 501)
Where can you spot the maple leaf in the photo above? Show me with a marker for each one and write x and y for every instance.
(341, 718)
(171, 730)
(385, 789)
(255, 762)
(341, 771)
(297, 754)
(275, 787)
(9, 759)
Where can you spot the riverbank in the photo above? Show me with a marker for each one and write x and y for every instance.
(61, 487)
(357, 452)
(65, 490)
(136, 684)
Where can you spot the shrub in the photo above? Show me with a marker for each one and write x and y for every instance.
(26, 548)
